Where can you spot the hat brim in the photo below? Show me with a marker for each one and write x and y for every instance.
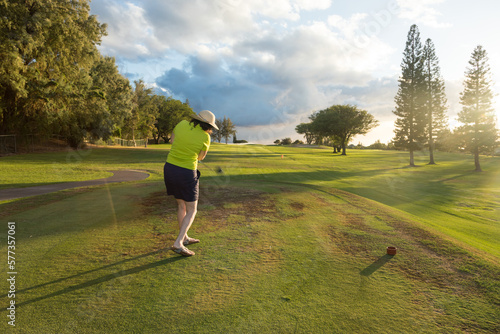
(198, 117)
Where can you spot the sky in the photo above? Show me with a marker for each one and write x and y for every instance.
(269, 64)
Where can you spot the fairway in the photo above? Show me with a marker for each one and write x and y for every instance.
(293, 240)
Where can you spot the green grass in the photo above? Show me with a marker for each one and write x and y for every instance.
(28, 170)
(292, 244)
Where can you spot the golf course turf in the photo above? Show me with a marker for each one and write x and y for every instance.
(293, 240)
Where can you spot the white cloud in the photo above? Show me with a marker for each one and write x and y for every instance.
(348, 27)
(252, 60)
(313, 4)
(422, 11)
(185, 25)
(129, 32)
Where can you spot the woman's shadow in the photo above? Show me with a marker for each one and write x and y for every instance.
(101, 279)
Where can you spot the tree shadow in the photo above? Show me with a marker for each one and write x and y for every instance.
(101, 279)
(381, 261)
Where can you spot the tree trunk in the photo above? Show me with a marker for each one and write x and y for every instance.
(431, 156)
(8, 116)
(431, 142)
(343, 150)
(156, 138)
(412, 161)
(476, 160)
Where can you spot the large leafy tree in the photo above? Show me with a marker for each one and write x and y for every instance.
(47, 50)
(410, 111)
(117, 92)
(434, 97)
(479, 133)
(306, 130)
(170, 112)
(144, 112)
(342, 122)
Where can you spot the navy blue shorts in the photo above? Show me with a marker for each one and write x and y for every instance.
(182, 183)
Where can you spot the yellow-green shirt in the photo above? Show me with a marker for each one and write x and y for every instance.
(188, 142)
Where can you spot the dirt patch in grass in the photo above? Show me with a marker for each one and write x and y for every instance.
(422, 255)
(221, 206)
(298, 206)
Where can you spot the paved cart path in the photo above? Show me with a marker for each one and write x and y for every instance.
(118, 176)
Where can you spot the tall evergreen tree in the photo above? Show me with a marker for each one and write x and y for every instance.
(434, 97)
(479, 131)
(410, 124)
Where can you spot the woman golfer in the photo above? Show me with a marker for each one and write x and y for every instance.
(190, 143)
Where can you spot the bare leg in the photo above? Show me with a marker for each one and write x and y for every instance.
(181, 211)
(185, 214)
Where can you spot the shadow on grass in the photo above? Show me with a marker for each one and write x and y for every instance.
(99, 280)
(376, 265)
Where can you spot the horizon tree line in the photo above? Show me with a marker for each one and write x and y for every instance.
(421, 108)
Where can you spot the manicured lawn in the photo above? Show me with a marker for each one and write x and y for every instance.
(289, 244)
(448, 197)
(28, 170)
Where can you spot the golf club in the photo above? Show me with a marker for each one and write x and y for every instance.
(218, 170)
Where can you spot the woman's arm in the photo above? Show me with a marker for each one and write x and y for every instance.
(202, 155)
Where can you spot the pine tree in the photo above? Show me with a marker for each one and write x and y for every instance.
(434, 97)
(410, 124)
(479, 132)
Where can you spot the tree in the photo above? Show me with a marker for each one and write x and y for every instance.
(227, 129)
(378, 146)
(410, 124)
(306, 130)
(47, 50)
(217, 134)
(434, 97)
(342, 122)
(479, 131)
(170, 112)
(448, 141)
(144, 112)
(238, 141)
(316, 131)
(117, 92)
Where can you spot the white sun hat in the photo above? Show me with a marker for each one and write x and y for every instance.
(206, 116)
